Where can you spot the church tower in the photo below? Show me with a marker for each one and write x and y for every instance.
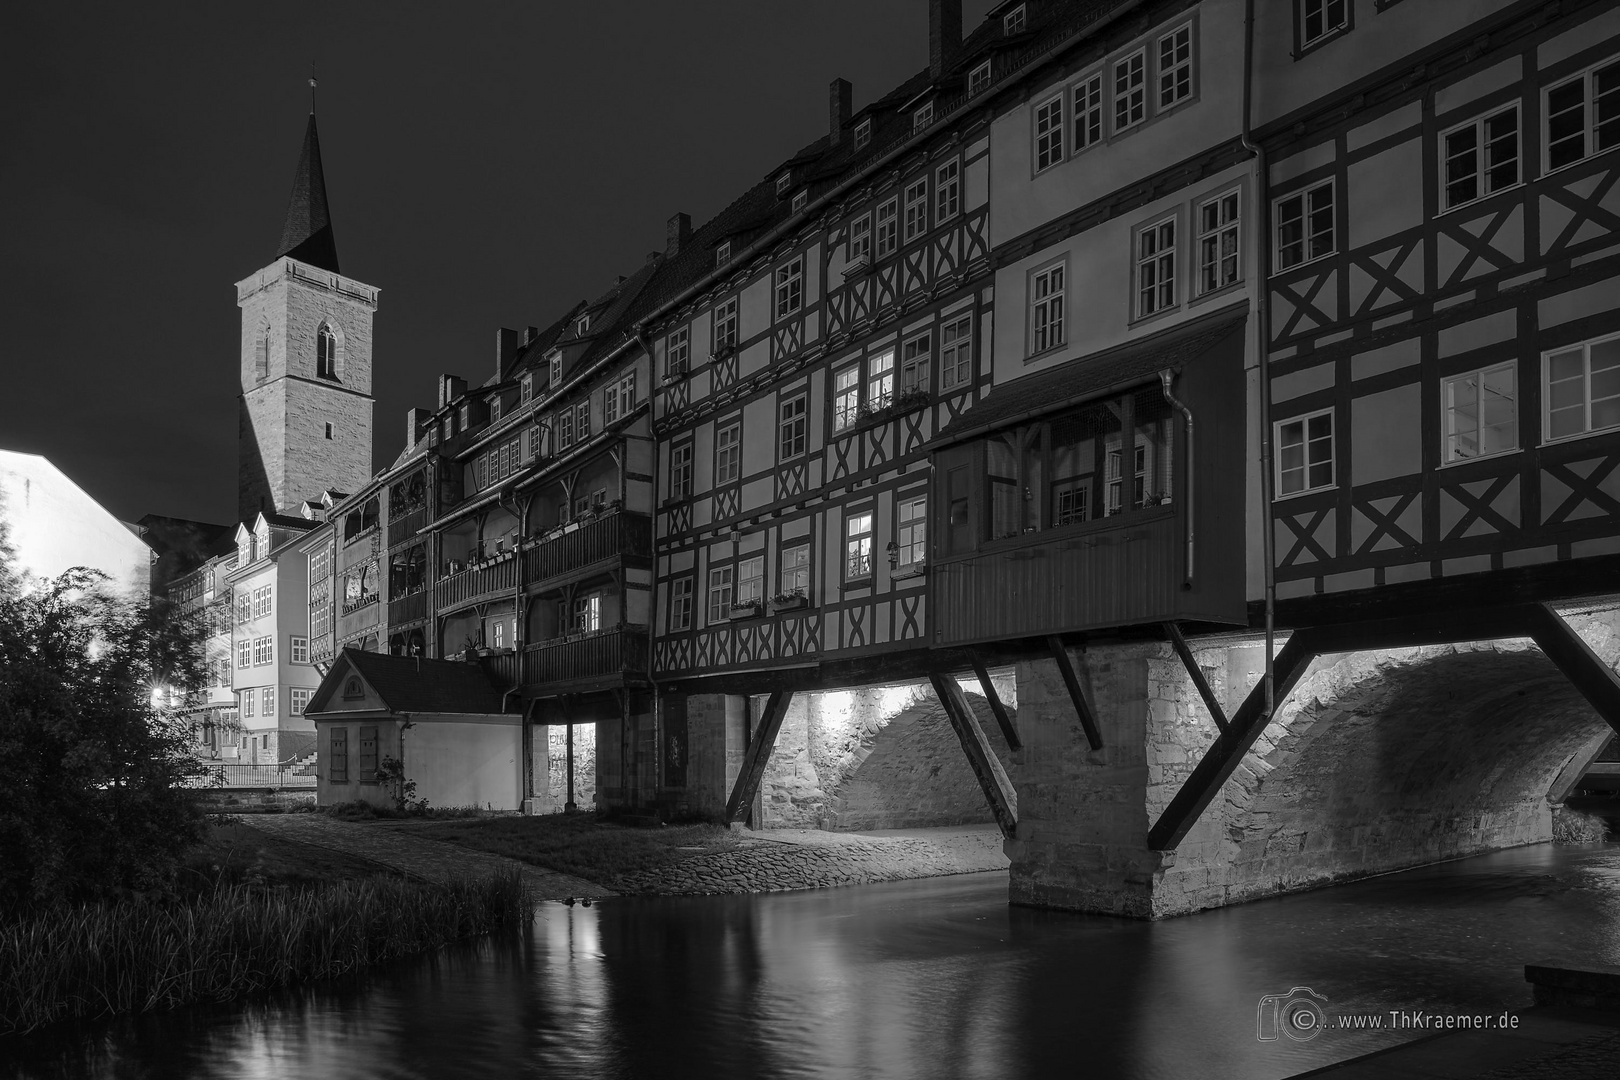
(306, 406)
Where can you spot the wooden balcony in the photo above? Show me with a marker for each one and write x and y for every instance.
(406, 525)
(614, 534)
(589, 662)
(409, 608)
(466, 586)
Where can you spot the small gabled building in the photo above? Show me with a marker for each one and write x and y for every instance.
(441, 720)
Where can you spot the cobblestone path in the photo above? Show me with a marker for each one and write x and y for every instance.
(778, 859)
(418, 856)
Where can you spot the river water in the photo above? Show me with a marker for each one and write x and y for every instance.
(930, 979)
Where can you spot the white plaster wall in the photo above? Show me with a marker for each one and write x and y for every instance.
(55, 526)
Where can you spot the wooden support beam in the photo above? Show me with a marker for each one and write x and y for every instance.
(1596, 681)
(1194, 672)
(1008, 731)
(1088, 720)
(1226, 753)
(998, 790)
(760, 745)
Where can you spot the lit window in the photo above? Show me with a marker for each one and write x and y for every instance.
(979, 79)
(846, 397)
(858, 546)
(916, 209)
(1304, 225)
(261, 602)
(249, 697)
(300, 649)
(680, 471)
(912, 533)
(947, 190)
(1013, 21)
(956, 353)
(325, 353)
(1321, 19)
(1130, 91)
(863, 133)
(1482, 412)
(680, 604)
(880, 379)
(1175, 67)
(1305, 453)
(1582, 388)
(796, 570)
(922, 117)
(244, 653)
(267, 702)
(1218, 264)
(1583, 115)
(1049, 133)
(1088, 112)
(886, 228)
(1046, 309)
(587, 612)
(1156, 267)
(720, 581)
(728, 454)
(1481, 157)
(244, 608)
(915, 358)
(790, 287)
(725, 326)
(791, 426)
(750, 581)
(677, 350)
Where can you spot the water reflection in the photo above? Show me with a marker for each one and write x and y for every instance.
(917, 979)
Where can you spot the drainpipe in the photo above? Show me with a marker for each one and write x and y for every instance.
(652, 603)
(1262, 337)
(1164, 377)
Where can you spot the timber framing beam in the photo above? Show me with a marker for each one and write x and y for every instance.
(1088, 720)
(1226, 753)
(1009, 731)
(1596, 681)
(1196, 674)
(759, 752)
(998, 790)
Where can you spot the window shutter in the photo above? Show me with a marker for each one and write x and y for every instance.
(338, 769)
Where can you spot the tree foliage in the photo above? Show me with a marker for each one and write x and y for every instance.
(92, 753)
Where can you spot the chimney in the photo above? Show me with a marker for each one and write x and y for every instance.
(507, 343)
(679, 232)
(415, 421)
(530, 333)
(944, 35)
(838, 95)
(450, 388)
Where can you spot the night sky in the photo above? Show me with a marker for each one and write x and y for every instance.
(487, 165)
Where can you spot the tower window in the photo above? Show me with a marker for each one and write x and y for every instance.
(261, 356)
(326, 353)
(328, 431)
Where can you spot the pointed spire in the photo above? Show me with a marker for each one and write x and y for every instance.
(307, 235)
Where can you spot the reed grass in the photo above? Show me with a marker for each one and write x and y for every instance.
(134, 956)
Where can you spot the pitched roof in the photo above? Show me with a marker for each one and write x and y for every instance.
(1088, 377)
(412, 684)
(307, 234)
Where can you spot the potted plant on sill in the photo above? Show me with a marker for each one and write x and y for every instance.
(745, 609)
(788, 601)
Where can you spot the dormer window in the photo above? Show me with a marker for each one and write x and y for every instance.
(922, 117)
(526, 388)
(1013, 21)
(325, 353)
(979, 79)
(494, 408)
(556, 371)
(722, 254)
(466, 417)
(863, 133)
(800, 201)
(584, 325)
(784, 182)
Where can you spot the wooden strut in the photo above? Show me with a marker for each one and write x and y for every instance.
(1226, 753)
(1066, 668)
(1596, 681)
(998, 790)
(759, 752)
(1008, 730)
(1194, 672)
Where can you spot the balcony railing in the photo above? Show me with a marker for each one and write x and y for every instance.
(599, 655)
(492, 576)
(408, 608)
(617, 532)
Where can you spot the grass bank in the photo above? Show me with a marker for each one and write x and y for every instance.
(139, 955)
(581, 844)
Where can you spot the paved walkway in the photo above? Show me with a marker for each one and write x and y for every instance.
(1551, 1043)
(433, 860)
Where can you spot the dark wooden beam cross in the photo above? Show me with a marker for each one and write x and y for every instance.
(1072, 681)
(998, 790)
(1008, 731)
(1194, 672)
(1224, 755)
(1596, 681)
(759, 752)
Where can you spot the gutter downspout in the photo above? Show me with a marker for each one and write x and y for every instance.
(652, 603)
(1262, 338)
(1164, 377)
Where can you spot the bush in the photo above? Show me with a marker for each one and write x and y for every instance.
(1577, 827)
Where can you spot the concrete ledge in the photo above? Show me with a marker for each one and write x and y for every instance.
(1596, 987)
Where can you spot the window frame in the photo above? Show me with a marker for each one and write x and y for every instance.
(922, 117)
(1189, 64)
(1482, 171)
(863, 133)
(681, 458)
(1304, 419)
(792, 428)
(337, 750)
(726, 325)
(1448, 410)
(1221, 228)
(886, 225)
(845, 416)
(858, 244)
(244, 654)
(915, 201)
(874, 377)
(858, 568)
(1095, 111)
(912, 363)
(678, 350)
(1162, 261)
(979, 79)
(912, 549)
(962, 342)
(298, 649)
(1303, 194)
(681, 603)
(1587, 77)
(748, 583)
(728, 454)
(788, 287)
(1140, 87)
(720, 592)
(789, 564)
(1055, 300)
(1304, 45)
(1052, 151)
(1585, 345)
(947, 190)
(1014, 21)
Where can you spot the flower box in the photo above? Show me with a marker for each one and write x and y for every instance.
(745, 611)
(857, 266)
(788, 601)
(917, 569)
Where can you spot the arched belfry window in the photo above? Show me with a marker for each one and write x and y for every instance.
(261, 355)
(326, 353)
